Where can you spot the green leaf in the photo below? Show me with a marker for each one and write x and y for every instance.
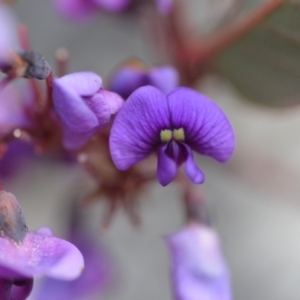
(264, 64)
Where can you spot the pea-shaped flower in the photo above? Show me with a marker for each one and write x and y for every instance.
(24, 254)
(199, 270)
(172, 125)
(134, 74)
(83, 106)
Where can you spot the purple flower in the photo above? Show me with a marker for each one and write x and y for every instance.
(197, 264)
(83, 9)
(24, 254)
(130, 77)
(83, 106)
(16, 155)
(172, 125)
(14, 103)
(8, 35)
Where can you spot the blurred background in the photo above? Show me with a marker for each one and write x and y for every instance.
(254, 199)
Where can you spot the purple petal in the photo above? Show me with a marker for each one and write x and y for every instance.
(13, 104)
(94, 278)
(166, 166)
(113, 5)
(84, 84)
(191, 169)
(165, 78)
(207, 129)
(69, 104)
(126, 80)
(75, 9)
(164, 6)
(198, 267)
(16, 156)
(40, 254)
(8, 34)
(113, 100)
(21, 289)
(136, 129)
(100, 107)
(5, 289)
(75, 140)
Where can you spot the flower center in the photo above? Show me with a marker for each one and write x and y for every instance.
(166, 135)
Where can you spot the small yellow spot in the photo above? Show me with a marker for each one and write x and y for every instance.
(166, 135)
(178, 135)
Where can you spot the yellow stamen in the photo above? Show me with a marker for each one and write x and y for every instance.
(178, 135)
(166, 135)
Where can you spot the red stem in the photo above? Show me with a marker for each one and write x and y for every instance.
(49, 82)
(191, 57)
(23, 37)
(62, 59)
(205, 50)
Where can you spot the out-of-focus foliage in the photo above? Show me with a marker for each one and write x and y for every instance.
(264, 64)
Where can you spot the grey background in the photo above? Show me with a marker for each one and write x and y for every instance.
(254, 199)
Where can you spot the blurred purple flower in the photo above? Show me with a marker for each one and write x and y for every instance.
(14, 158)
(172, 125)
(83, 9)
(83, 106)
(24, 254)
(97, 273)
(8, 34)
(198, 268)
(15, 102)
(130, 77)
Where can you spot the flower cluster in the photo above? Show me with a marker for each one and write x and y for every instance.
(138, 128)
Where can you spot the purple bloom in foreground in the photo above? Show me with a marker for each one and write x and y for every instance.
(83, 106)
(172, 125)
(40, 253)
(130, 77)
(199, 271)
(24, 254)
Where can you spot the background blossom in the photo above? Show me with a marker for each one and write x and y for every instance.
(198, 267)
